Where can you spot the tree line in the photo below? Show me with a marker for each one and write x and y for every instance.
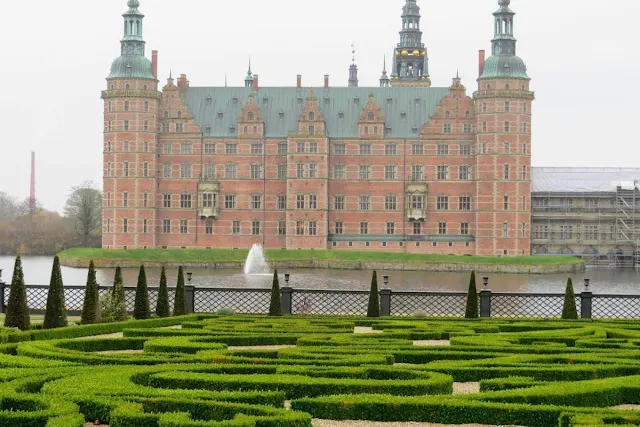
(27, 230)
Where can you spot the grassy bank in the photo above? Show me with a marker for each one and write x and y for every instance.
(238, 256)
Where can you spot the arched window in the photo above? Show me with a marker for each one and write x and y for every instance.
(250, 115)
(166, 114)
(371, 116)
(126, 105)
(127, 86)
(507, 86)
(467, 115)
(312, 116)
(447, 115)
(179, 114)
(145, 87)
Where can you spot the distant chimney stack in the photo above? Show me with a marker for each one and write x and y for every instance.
(183, 83)
(154, 63)
(299, 83)
(481, 62)
(256, 86)
(326, 81)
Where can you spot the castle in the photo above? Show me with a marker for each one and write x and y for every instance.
(402, 166)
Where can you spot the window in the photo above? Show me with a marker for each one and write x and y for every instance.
(282, 171)
(300, 146)
(364, 227)
(208, 227)
(525, 128)
(313, 228)
(364, 203)
(125, 169)
(312, 116)
(339, 172)
(207, 200)
(443, 172)
(282, 228)
(442, 228)
(446, 128)
(300, 202)
(417, 150)
(125, 225)
(165, 127)
(417, 228)
(125, 200)
(230, 201)
(125, 146)
(179, 114)
(313, 201)
(468, 128)
(145, 200)
(179, 127)
(250, 116)
(185, 170)
(109, 147)
(166, 172)
(443, 150)
(166, 115)
(146, 126)
(523, 229)
(464, 228)
(255, 228)
(209, 171)
(417, 202)
(209, 149)
(371, 117)
(465, 149)
(281, 202)
(338, 202)
(484, 148)
(126, 125)
(313, 147)
(524, 203)
(184, 226)
(525, 172)
(256, 149)
(505, 230)
(484, 106)
(145, 169)
(230, 171)
(447, 115)
(300, 170)
(507, 107)
(146, 106)
(525, 148)
(484, 127)
(524, 105)
(390, 172)
(146, 146)
(231, 149)
(256, 171)
(365, 149)
(339, 149)
(185, 201)
(299, 228)
(313, 170)
(464, 172)
(467, 115)
(566, 232)
(166, 148)
(442, 203)
(506, 171)
(390, 203)
(390, 150)
(282, 149)
(592, 204)
(256, 201)
(391, 228)
(366, 129)
(507, 127)
(417, 173)
(464, 203)
(365, 172)
(507, 148)
(166, 226)
(505, 203)
(235, 227)
(166, 200)
(339, 228)
(541, 232)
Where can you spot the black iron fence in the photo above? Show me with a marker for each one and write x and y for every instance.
(354, 303)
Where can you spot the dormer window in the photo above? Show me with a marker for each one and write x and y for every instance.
(179, 114)
(250, 116)
(403, 115)
(371, 116)
(209, 99)
(220, 114)
(467, 115)
(341, 115)
(281, 114)
(232, 129)
(447, 115)
(312, 116)
(208, 129)
(128, 86)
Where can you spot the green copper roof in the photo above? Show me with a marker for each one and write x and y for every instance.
(405, 109)
(504, 66)
(131, 67)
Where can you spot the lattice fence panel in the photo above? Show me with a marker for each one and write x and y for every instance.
(615, 307)
(330, 303)
(240, 301)
(528, 306)
(435, 305)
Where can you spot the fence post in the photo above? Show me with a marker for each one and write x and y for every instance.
(286, 294)
(190, 292)
(586, 302)
(485, 299)
(385, 302)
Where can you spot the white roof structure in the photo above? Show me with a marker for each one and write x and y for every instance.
(584, 180)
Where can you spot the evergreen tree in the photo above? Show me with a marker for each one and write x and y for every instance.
(472, 311)
(569, 310)
(141, 308)
(116, 280)
(17, 307)
(118, 307)
(91, 306)
(180, 302)
(162, 308)
(374, 298)
(275, 308)
(56, 313)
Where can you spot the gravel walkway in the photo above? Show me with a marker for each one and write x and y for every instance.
(432, 343)
(95, 337)
(331, 423)
(627, 407)
(466, 388)
(261, 347)
(366, 330)
(120, 352)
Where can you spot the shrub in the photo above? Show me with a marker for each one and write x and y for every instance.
(117, 280)
(162, 307)
(141, 308)
(117, 306)
(374, 298)
(569, 310)
(17, 308)
(180, 302)
(472, 311)
(56, 312)
(225, 312)
(91, 306)
(275, 308)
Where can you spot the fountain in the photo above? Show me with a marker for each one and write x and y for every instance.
(256, 264)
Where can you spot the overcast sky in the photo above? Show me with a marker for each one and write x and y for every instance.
(582, 57)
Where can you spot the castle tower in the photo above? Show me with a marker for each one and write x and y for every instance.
(410, 57)
(353, 69)
(248, 80)
(503, 161)
(130, 133)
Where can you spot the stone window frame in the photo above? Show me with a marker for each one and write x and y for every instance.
(184, 226)
(364, 228)
(256, 227)
(256, 171)
(338, 227)
(166, 226)
(442, 174)
(391, 202)
(281, 151)
(364, 202)
(312, 228)
(391, 228)
(442, 202)
(442, 228)
(282, 170)
(339, 202)
(442, 149)
(228, 168)
(364, 172)
(230, 201)
(236, 227)
(419, 152)
(281, 202)
(394, 172)
(465, 203)
(255, 201)
(210, 148)
(342, 151)
(343, 169)
(464, 228)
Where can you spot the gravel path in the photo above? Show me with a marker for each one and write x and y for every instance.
(120, 352)
(366, 330)
(627, 407)
(261, 347)
(95, 337)
(331, 423)
(432, 343)
(466, 388)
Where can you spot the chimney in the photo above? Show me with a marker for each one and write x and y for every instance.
(481, 62)
(299, 84)
(256, 86)
(326, 81)
(183, 84)
(154, 63)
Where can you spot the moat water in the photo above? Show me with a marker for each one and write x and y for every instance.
(37, 271)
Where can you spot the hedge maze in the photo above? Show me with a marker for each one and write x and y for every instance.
(242, 371)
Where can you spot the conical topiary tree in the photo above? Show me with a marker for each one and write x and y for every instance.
(275, 308)
(162, 307)
(17, 307)
(374, 298)
(569, 310)
(141, 307)
(180, 301)
(56, 313)
(118, 304)
(91, 306)
(472, 311)
(116, 280)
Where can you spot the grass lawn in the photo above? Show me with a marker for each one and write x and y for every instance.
(230, 255)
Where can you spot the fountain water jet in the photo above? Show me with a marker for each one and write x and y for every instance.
(256, 263)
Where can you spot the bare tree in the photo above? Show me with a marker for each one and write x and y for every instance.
(8, 207)
(84, 206)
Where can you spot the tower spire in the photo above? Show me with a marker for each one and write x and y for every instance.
(384, 79)
(410, 59)
(248, 80)
(353, 69)
(132, 62)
